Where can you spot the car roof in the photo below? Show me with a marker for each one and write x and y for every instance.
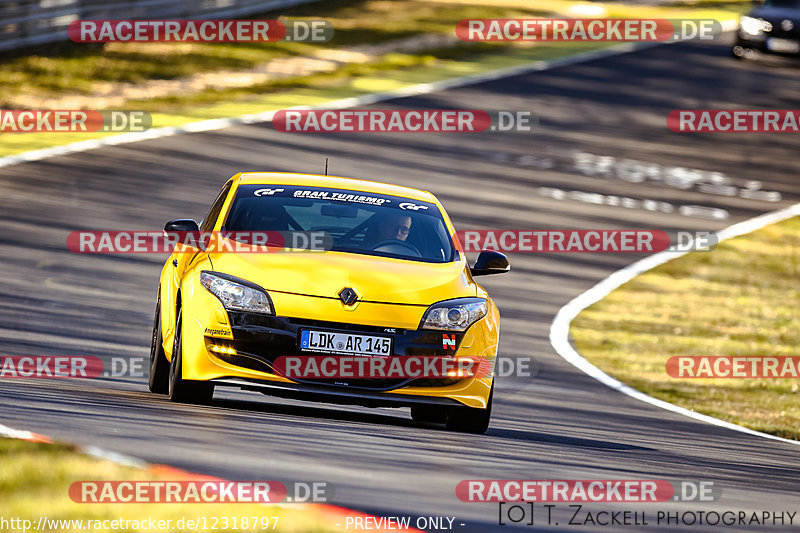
(334, 182)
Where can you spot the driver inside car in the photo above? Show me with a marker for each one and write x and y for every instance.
(389, 234)
(394, 227)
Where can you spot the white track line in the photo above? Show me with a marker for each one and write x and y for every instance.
(559, 330)
(11, 433)
(266, 116)
(93, 451)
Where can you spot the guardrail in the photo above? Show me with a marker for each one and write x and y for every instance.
(26, 23)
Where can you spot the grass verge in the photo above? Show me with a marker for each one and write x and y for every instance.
(85, 68)
(315, 90)
(741, 299)
(76, 68)
(35, 479)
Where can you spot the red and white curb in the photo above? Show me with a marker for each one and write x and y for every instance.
(11, 433)
(335, 514)
(559, 329)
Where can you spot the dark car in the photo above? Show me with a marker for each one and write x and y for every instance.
(771, 27)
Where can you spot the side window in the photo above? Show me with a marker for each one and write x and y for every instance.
(208, 222)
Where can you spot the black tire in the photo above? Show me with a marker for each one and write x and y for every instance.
(159, 366)
(429, 414)
(470, 419)
(183, 390)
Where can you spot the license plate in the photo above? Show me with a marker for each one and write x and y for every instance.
(783, 45)
(344, 343)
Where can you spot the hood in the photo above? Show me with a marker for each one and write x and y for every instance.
(376, 279)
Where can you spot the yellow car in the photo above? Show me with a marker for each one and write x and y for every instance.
(387, 285)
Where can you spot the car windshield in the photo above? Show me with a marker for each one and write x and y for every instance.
(783, 3)
(357, 222)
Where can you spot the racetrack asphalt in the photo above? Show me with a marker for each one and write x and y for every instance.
(559, 424)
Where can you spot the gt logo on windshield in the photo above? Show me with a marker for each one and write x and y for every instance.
(412, 207)
(266, 192)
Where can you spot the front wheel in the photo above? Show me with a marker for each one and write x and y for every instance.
(184, 390)
(159, 366)
(470, 419)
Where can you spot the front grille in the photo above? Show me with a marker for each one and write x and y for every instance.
(259, 340)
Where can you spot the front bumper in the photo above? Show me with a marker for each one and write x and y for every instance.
(239, 349)
(259, 340)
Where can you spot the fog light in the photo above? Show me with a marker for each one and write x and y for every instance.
(222, 349)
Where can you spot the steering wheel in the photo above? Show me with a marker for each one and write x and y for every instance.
(396, 243)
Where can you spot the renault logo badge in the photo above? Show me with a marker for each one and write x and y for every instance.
(348, 296)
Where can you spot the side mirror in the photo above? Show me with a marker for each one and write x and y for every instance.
(182, 224)
(490, 262)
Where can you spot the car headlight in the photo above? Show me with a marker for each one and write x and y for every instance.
(237, 295)
(455, 315)
(754, 26)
